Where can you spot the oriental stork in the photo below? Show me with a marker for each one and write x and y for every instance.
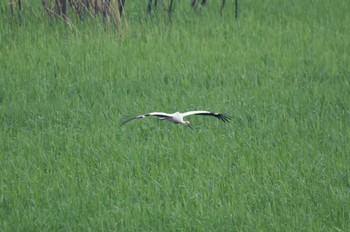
(178, 117)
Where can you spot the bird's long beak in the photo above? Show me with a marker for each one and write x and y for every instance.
(189, 125)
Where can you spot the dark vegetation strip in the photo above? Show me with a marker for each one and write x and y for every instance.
(106, 7)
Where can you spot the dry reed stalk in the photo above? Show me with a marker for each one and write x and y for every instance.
(64, 9)
(57, 7)
(116, 15)
(43, 4)
(86, 4)
(163, 6)
(96, 7)
(105, 8)
(122, 12)
(170, 9)
(222, 7)
(19, 5)
(121, 6)
(11, 7)
(236, 9)
(149, 6)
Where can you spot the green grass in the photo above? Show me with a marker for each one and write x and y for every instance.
(281, 71)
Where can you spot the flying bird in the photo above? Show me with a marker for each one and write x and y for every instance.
(178, 117)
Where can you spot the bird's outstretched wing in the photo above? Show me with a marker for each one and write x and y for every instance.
(156, 114)
(223, 117)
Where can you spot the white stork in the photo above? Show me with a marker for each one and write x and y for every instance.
(179, 117)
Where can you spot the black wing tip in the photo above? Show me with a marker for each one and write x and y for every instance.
(122, 123)
(223, 117)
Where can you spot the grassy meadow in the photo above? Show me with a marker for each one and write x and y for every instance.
(281, 70)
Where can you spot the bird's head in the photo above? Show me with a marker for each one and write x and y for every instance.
(187, 123)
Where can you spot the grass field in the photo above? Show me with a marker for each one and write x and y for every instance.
(283, 163)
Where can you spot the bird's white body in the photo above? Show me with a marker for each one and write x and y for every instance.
(178, 117)
(175, 118)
